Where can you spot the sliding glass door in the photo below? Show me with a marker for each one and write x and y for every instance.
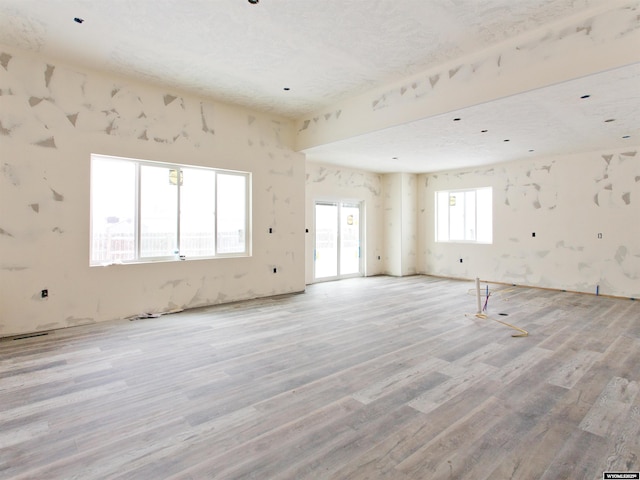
(337, 252)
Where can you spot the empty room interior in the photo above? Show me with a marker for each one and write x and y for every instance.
(337, 239)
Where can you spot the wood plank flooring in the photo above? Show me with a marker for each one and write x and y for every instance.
(367, 378)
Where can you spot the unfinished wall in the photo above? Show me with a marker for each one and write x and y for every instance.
(52, 117)
(568, 202)
(328, 182)
(400, 223)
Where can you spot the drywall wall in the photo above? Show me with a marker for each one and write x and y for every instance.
(568, 202)
(392, 184)
(409, 217)
(400, 223)
(328, 182)
(52, 117)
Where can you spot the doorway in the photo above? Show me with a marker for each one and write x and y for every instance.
(337, 251)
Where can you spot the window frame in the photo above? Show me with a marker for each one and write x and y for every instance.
(437, 211)
(137, 224)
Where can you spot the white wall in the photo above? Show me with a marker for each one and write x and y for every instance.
(52, 117)
(400, 223)
(392, 184)
(409, 224)
(566, 201)
(328, 182)
(391, 202)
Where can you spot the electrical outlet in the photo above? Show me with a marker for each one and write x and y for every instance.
(599, 235)
(275, 270)
(44, 293)
(460, 260)
(533, 234)
(270, 230)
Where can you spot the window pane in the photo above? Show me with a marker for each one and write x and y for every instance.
(470, 215)
(456, 216)
(232, 208)
(485, 215)
(198, 212)
(349, 239)
(442, 216)
(113, 203)
(464, 215)
(146, 211)
(326, 255)
(158, 211)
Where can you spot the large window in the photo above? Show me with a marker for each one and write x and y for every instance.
(464, 216)
(145, 211)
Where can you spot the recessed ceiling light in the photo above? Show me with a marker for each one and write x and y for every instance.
(253, 2)
(531, 150)
(286, 89)
(627, 136)
(506, 140)
(78, 20)
(456, 119)
(394, 158)
(585, 96)
(484, 131)
(608, 120)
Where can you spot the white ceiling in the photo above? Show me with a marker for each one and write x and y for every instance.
(327, 51)
(549, 121)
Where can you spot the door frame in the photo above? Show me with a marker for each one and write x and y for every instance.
(340, 202)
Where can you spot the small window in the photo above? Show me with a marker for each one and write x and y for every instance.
(464, 216)
(145, 211)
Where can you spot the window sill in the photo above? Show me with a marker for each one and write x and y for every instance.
(463, 242)
(169, 260)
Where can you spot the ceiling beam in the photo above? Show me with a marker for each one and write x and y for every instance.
(593, 42)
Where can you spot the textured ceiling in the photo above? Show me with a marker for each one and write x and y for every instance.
(545, 122)
(323, 50)
(327, 51)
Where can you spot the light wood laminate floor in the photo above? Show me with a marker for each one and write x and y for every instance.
(368, 378)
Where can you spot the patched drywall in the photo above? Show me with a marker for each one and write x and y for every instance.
(328, 182)
(409, 224)
(584, 210)
(327, 50)
(400, 223)
(390, 215)
(52, 117)
(589, 43)
(392, 184)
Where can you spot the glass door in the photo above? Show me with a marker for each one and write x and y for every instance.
(337, 240)
(349, 239)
